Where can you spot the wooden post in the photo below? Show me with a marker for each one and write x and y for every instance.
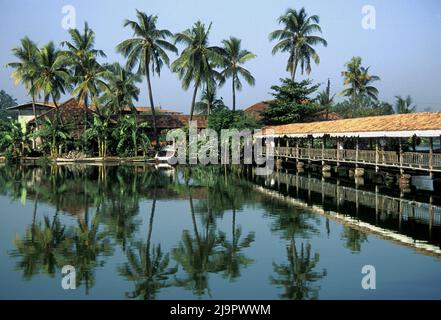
(323, 150)
(278, 148)
(356, 152)
(377, 155)
(401, 155)
(297, 149)
(338, 152)
(309, 150)
(431, 156)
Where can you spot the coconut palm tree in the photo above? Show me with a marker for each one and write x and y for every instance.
(87, 73)
(298, 39)
(208, 102)
(404, 105)
(122, 89)
(53, 78)
(234, 58)
(27, 68)
(197, 61)
(359, 80)
(147, 49)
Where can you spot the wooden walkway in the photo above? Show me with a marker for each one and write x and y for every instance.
(430, 162)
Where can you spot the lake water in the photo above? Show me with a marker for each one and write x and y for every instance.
(135, 232)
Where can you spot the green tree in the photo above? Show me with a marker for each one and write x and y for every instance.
(298, 39)
(6, 101)
(208, 102)
(54, 134)
(87, 73)
(122, 89)
(404, 105)
(147, 49)
(131, 136)
(99, 132)
(325, 100)
(224, 118)
(292, 102)
(27, 68)
(15, 138)
(197, 61)
(362, 106)
(53, 77)
(234, 58)
(358, 80)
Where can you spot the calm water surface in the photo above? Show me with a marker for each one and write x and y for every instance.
(140, 233)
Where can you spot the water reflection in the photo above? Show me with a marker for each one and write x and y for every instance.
(225, 233)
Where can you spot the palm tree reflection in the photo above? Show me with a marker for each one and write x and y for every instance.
(297, 276)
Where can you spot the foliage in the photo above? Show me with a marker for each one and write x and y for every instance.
(198, 60)
(131, 136)
(298, 39)
(6, 101)
(234, 58)
(362, 106)
(208, 102)
(147, 49)
(292, 102)
(53, 134)
(358, 80)
(224, 118)
(404, 105)
(14, 138)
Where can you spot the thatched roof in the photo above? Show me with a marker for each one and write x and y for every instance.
(425, 124)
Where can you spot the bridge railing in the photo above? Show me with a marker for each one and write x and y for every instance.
(408, 159)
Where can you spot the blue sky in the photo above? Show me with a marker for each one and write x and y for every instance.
(404, 49)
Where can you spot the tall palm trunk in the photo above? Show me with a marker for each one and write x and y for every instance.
(193, 101)
(34, 109)
(152, 105)
(57, 110)
(294, 70)
(234, 93)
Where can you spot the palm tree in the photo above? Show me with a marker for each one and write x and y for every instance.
(198, 60)
(87, 73)
(359, 80)
(404, 105)
(208, 102)
(53, 77)
(27, 68)
(325, 100)
(122, 89)
(234, 58)
(298, 39)
(147, 49)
